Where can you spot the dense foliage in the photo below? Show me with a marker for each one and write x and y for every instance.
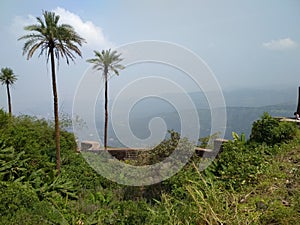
(250, 182)
(271, 131)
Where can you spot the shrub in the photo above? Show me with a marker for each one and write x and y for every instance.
(271, 131)
(11, 167)
(15, 196)
(4, 118)
(161, 151)
(238, 165)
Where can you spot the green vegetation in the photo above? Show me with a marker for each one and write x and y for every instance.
(255, 181)
(106, 61)
(54, 40)
(251, 182)
(270, 131)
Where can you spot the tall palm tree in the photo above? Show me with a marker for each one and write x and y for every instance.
(8, 78)
(106, 61)
(54, 40)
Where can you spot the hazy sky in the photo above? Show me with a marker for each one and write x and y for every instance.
(247, 44)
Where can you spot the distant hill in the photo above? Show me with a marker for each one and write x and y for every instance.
(239, 119)
(261, 97)
(243, 108)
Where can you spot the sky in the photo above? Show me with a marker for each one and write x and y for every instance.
(248, 44)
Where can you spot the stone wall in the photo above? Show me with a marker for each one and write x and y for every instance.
(127, 153)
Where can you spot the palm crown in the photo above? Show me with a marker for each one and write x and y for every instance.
(48, 34)
(7, 76)
(106, 61)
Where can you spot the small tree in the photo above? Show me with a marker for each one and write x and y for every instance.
(8, 78)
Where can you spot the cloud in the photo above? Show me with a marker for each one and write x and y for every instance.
(19, 23)
(281, 44)
(93, 34)
(88, 30)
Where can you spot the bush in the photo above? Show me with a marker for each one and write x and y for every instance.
(160, 152)
(36, 139)
(12, 168)
(271, 131)
(239, 164)
(15, 196)
(4, 118)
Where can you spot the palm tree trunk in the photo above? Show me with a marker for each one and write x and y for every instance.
(106, 108)
(56, 120)
(8, 100)
(298, 107)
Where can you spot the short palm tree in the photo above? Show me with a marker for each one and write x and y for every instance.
(54, 40)
(8, 78)
(106, 61)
